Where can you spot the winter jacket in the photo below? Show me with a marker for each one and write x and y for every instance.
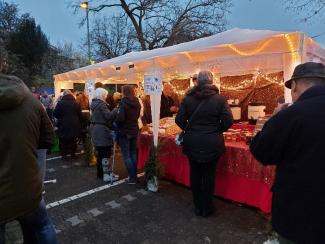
(47, 101)
(128, 115)
(68, 113)
(25, 126)
(165, 104)
(101, 123)
(293, 140)
(146, 118)
(203, 140)
(83, 101)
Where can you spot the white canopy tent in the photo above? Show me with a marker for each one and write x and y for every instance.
(233, 52)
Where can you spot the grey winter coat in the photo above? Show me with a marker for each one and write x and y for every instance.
(101, 123)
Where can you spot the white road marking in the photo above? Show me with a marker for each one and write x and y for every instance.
(113, 204)
(58, 157)
(75, 220)
(95, 212)
(87, 193)
(129, 197)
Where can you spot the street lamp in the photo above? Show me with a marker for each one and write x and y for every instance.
(85, 5)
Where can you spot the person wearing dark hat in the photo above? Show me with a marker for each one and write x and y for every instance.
(293, 140)
(204, 115)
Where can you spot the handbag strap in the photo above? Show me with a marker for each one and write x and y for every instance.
(194, 113)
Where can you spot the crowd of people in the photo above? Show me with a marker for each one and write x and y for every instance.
(292, 139)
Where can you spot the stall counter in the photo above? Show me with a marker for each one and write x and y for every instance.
(239, 177)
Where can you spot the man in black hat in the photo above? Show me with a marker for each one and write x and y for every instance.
(294, 140)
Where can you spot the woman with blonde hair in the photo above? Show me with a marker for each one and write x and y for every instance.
(101, 134)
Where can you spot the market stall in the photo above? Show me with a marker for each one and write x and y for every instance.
(236, 52)
(249, 67)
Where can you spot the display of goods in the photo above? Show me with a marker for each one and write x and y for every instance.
(260, 123)
(167, 126)
(238, 135)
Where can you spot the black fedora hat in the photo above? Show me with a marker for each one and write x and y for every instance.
(307, 70)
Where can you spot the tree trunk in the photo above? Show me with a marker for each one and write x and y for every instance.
(138, 28)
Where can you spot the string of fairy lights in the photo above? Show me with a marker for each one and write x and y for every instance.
(245, 84)
(251, 82)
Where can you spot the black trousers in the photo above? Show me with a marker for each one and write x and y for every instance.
(102, 152)
(68, 146)
(202, 177)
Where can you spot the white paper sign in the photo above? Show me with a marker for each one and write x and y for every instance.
(152, 85)
(89, 86)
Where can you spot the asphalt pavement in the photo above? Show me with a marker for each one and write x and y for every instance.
(86, 210)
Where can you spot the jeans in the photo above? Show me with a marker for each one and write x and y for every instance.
(41, 160)
(36, 227)
(129, 146)
(202, 177)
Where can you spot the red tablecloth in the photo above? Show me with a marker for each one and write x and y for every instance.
(243, 126)
(239, 177)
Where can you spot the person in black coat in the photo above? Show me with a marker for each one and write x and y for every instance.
(127, 119)
(69, 116)
(293, 140)
(203, 141)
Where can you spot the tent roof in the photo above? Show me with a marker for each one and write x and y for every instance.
(223, 44)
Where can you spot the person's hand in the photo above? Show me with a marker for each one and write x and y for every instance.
(280, 107)
(174, 109)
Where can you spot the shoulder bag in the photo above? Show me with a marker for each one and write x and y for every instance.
(180, 137)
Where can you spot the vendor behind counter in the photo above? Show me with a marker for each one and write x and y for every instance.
(168, 105)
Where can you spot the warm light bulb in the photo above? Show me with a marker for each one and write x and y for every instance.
(84, 5)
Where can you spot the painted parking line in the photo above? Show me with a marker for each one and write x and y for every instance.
(87, 193)
(59, 157)
(75, 220)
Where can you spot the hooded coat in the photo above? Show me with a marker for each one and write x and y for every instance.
(101, 123)
(293, 140)
(69, 116)
(203, 139)
(25, 127)
(128, 115)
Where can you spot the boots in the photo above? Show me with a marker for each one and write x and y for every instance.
(108, 175)
(106, 170)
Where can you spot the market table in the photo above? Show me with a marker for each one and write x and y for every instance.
(239, 177)
(243, 126)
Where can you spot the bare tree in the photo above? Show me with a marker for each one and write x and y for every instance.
(59, 59)
(160, 23)
(111, 38)
(307, 9)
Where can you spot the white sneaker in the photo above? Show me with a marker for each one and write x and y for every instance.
(110, 177)
(274, 241)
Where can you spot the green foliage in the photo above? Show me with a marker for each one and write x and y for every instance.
(26, 52)
(9, 18)
(30, 44)
(89, 149)
(153, 167)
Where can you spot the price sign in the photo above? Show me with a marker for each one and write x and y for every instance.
(152, 85)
